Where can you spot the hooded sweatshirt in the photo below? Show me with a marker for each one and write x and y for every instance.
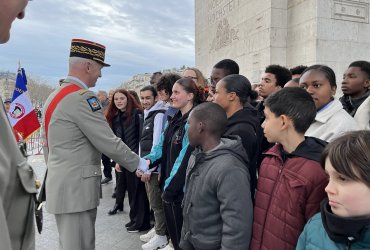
(217, 206)
(289, 191)
(245, 123)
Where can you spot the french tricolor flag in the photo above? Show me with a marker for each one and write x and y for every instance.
(22, 115)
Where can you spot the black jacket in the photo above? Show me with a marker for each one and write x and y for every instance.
(351, 104)
(246, 124)
(131, 133)
(146, 141)
(172, 145)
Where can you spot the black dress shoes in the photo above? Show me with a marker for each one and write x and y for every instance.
(134, 229)
(129, 224)
(106, 180)
(115, 209)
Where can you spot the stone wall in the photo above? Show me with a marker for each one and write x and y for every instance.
(256, 33)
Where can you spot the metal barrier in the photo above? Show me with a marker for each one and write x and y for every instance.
(34, 144)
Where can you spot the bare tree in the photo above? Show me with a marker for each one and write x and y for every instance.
(38, 90)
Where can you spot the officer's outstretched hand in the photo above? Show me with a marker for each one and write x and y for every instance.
(143, 165)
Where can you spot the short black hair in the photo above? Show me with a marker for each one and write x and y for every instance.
(240, 85)
(329, 73)
(281, 73)
(215, 123)
(150, 88)
(167, 81)
(296, 103)
(297, 70)
(363, 65)
(229, 66)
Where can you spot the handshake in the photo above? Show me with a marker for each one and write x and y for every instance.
(143, 166)
(143, 171)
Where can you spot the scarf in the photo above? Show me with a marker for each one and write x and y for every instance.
(340, 229)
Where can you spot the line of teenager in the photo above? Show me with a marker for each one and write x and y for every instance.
(204, 157)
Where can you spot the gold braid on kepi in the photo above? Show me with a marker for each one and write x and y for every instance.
(89, 50)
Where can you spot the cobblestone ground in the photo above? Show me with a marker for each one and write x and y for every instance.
(109, 230)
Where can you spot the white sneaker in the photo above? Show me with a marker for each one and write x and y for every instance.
(148, 236)
(168, 247)
(156, 242)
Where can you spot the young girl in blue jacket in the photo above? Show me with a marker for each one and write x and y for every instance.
(344, 220)
(173, 152)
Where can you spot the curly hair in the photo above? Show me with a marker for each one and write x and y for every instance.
(166, 82)
(281, 73)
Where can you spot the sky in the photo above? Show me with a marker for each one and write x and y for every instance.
(140, 36)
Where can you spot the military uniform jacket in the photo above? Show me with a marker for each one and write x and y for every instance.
(17, 190)
(78, 134)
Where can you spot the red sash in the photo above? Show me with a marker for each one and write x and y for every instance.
(53, 104)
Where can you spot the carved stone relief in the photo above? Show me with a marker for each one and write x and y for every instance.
(218, 9)
(224, 35)
(349, 10)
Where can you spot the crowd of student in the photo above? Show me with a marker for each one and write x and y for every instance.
(239, 166)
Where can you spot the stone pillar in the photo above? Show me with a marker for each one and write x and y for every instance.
(256, 33)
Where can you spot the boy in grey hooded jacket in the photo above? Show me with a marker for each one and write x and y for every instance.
(217, 206)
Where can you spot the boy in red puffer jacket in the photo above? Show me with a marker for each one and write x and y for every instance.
(291, 181)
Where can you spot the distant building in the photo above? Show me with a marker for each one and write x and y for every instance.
(140, 80)
(137, 82)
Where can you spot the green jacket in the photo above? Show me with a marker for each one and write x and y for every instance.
(314, 237)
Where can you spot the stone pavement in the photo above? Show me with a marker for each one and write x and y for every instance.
(110, 231)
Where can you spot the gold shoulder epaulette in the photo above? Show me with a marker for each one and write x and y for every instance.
(83, 91)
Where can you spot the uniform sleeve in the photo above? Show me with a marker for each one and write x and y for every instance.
(45, 148)
(6, 145)
(9, 159)
(95, 127)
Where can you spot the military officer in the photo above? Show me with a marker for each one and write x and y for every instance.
(17, 180)
(77, 133)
